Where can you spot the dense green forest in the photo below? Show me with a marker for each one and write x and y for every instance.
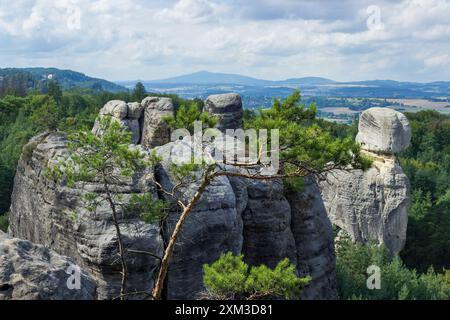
(419, 272)
(427, 164)
(19, 81)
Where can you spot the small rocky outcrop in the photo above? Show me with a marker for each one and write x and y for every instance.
(127, 114)
(33, 272)
(227, 108)
(372, 204)
(155, 131)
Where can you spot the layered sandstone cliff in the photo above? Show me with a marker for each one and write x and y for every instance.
(256, 218)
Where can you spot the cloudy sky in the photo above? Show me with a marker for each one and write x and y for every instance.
(271, 39)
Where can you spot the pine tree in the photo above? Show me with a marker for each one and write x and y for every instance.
(187, 115)
(139, 92)
(54, 91)
(231, 278)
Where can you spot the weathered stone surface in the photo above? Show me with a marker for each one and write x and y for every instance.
(383, 130)
(155, 131)
(115, 108)
(294, 226)
(213, 227)
(227, 108)
(135, 128)
(127, 115)
(34, 272)
(135, 110)
(370, 205)
(54, 216)
(314, 241)
(268, 237)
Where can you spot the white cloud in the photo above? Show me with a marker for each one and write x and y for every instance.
(437, 61)
(190, 11)
(122, 39)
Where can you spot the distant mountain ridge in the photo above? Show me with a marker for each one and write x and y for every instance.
(36, 78)
(215, 78)
(206, 77)
(203, 83)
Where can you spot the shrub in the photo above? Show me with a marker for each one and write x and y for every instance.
(231, 278)
(187, 115)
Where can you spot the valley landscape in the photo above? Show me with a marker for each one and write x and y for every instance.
(335, 100)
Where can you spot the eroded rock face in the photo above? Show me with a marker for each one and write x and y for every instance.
(155, 131)
(127, 114)
(268, 236)
(279, 224)
(213, 227)
(34, 272)
(227, 108)
(54, 216)
(255, 218)
(383, 130)
(372, 205)
(314, 241)
(144, 120)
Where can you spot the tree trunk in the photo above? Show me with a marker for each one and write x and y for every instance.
(123, 287)
(157, 290)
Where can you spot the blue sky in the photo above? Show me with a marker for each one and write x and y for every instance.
(272, 39)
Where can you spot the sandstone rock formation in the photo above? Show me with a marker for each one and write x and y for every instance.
(279, 224)
(235, 214)
(314, 241)
(383, 130)
(34, 272)
(144, 119)
(227, 108)
(155, 132)
(127, 114)
(253, 218)
(213, 227)
(372, 205)
(54, 216)
(268, 236)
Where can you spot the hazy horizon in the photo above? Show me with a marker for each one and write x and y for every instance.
(122, 40)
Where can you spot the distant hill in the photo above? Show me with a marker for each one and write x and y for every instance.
(307, 81)
(261, 92)
(205, 77)
(213, 78)
(37, 78)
